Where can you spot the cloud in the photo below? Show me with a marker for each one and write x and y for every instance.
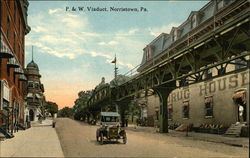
(110, 43)
(132, 31)
(39, 29)
(53, 11)
(56, 40)
(67, 36)
(95, 54)
(91, 34)
(72, 22)
(156, 31)
(86, 65)
(127, 32)
(113, 43)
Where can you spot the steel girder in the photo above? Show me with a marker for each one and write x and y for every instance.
(218, 50)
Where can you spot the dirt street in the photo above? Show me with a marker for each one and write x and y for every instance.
(78, 140)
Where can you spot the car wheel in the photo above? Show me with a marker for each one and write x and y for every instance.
(124, 138)
(101, 139)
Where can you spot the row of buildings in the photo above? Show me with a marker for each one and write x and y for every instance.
(220, 99)
(21, 91)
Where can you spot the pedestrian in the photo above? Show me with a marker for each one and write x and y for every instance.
(40, 118)
(126, 122)
(241, 110)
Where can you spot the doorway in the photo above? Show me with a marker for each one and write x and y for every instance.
(240, 101)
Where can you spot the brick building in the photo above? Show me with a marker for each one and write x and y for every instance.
(14, 27)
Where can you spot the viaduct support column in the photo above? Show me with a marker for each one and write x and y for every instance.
(163, 93)
(123, 106)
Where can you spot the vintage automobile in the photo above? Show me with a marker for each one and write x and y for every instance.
(110, 128)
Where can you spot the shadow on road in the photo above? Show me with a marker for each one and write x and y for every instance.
(106, 142)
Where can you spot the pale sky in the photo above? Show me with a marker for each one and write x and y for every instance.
(73, 49)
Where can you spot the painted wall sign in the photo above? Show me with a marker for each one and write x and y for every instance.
(211, 87)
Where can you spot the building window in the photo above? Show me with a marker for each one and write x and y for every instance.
(239, 64)
(170, 112)
(19, 52)
(30, 84)
(22, 58)
(175, 35)
(208, 106)
(208, 74)
(8, 28)
(20, 28)
(36, 85)
(220, 4)
(5, 104)
(14, 46)
(185, 109)
(193, 21)
(14, 13)
(19, 85)
(148, 53)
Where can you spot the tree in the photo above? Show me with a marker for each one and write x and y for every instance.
(81, 109)
(66, 112)
(51, 107)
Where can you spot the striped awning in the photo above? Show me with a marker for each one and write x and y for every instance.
(12, 63)
(5, 52)
(22, 78)
(18, 71)
(240, 94)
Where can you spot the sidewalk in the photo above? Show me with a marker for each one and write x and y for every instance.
(233, 141)
(40, 140)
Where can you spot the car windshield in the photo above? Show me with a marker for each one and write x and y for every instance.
(109, 119)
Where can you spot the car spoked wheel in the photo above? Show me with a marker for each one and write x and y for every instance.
(101, 139)
(124, 138)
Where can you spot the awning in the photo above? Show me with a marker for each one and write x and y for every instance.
(4, 50)
(208, 100)
(22, 78)
(30, 95)
(241, 94)
(18, 71)
(170, 107)
(13, 63)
